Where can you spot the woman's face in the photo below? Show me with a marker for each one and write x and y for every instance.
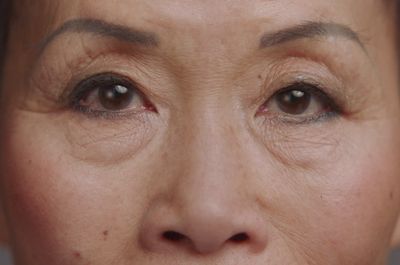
(201, 132)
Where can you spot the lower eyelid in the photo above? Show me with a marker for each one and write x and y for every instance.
(282, 120)
(108, 115)
(331, 111)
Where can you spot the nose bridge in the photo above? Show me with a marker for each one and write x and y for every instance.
(211, 161)
(208, 192)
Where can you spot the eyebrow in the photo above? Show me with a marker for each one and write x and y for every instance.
(310, 30)
(149, 39)
(102, 28)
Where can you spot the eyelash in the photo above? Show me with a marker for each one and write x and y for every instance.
(332, 110)
(89, 85)
(93, 83)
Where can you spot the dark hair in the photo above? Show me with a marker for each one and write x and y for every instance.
(5, 11)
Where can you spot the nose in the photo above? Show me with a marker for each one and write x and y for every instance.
(204, 229)
(206, 204)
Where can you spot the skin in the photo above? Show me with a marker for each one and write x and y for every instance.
(204, 161)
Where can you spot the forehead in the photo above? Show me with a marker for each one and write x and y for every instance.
(226, 28)
(195, 13)
(204, 23)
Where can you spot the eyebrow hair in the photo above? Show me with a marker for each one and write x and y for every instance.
(309, 30)
(102, 28)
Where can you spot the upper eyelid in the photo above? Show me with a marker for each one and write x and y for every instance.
(77, 87)
(74, 97)
(314, 89)
(291, 70)
(271, 90)
(81, 66)
(101, 78)
(81, 58)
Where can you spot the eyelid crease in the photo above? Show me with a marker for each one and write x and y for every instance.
(83, 63)
(284, 74)
(99, 79)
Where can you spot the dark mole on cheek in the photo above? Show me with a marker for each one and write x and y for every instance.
(105, 234)
(391, 195)
(77, 255)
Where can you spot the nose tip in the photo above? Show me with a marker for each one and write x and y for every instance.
(203, 233)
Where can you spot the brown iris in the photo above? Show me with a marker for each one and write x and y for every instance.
(293, 101)
(115, 97)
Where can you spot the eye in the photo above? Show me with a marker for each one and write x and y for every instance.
(301, 102)
(105, 94)
(294, 101)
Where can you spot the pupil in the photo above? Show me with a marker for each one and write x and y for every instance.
(115, 97)
(294, 102)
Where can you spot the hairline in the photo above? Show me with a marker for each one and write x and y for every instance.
(5, 19)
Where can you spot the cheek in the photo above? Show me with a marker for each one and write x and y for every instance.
(334, 196)
(359, 196)
(59, 205)
(33, 201)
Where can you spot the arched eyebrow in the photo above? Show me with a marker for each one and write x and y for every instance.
(102, 28)
(310, 30)
(150, 39)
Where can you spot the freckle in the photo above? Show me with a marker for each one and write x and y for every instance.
(259, 77)
(77, 255)
(391, 195)
(29, 161)
(105, 234)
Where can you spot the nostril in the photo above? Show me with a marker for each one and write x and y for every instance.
(239, 238)
(173, 236)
